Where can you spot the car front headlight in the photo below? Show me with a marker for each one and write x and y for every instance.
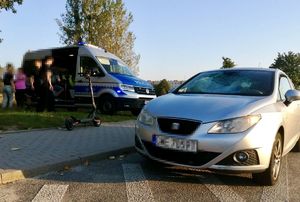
(146, 118)
(236, 125)
(125, 87)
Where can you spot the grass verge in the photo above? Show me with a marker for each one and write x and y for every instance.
(26, 120)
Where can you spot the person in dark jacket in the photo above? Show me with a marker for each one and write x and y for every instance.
(46, 100)
(9, 87)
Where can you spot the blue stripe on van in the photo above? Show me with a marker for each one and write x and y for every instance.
(96, 89)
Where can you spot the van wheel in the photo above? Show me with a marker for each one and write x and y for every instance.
(297, 147)
(270, 176)
(107, 105)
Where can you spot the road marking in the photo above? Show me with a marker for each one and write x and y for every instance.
(53, 192)
(278, 192)
(223, 192)
(137, 186)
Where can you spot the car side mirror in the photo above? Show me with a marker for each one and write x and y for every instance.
(292, 95)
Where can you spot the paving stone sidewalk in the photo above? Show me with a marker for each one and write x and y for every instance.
(26, 154)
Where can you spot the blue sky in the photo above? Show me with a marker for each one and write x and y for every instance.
(176, 38)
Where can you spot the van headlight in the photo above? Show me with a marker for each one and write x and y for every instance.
(125, 87)
(236, 125)
(146, 118)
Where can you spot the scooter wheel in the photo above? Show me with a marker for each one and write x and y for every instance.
(69, 123)
(96, 122)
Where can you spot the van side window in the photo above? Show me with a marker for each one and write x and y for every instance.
(88, 64)
(284, 86)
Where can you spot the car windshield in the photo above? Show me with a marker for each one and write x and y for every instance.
(230, 82)
(114, 66)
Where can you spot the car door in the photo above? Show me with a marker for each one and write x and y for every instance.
(290, 113)
(87, 65)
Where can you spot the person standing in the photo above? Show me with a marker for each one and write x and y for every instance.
(9, 87)
(46, 91)
(20, 86)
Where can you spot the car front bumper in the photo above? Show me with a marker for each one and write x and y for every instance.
(215, 151)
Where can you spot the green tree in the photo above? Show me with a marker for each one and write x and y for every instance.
(1, 72)
(290, 64)
(227, 63)
(9, 5)
(103, 23)
(72, 22)
(162, 88)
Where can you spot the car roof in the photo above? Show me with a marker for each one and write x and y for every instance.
(248, 69)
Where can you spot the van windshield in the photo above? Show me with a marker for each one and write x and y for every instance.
(114, 66)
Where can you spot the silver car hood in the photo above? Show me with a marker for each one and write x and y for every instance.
(206, 108)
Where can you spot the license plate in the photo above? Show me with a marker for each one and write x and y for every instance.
(179, 144)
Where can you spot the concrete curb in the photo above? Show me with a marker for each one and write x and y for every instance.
(55, 128)
(7, 176)
(28, 130)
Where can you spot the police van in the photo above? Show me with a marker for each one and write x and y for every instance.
(115, 87)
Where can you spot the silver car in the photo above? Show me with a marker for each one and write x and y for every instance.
(239, 119)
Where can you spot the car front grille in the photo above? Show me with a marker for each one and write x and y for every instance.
(229, 161)
(185, 158)
(177, 126)
(144, 91)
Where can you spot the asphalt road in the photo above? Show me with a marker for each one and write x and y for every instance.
(133, 178)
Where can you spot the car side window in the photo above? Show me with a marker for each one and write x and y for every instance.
(284, 86)
(88, 64)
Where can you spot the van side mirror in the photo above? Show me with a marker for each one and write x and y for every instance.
(292, 95)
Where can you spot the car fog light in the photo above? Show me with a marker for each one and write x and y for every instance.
(241, 156)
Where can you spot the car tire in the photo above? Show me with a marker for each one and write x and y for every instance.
(297, 147)
(270, 176)
(107, 105)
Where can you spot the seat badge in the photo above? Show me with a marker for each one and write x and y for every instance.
(175, 126)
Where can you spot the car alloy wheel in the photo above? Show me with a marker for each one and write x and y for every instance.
(270, 176)
(277, 154)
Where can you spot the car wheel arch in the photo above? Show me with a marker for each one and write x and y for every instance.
(271, 174)
(281, 132)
